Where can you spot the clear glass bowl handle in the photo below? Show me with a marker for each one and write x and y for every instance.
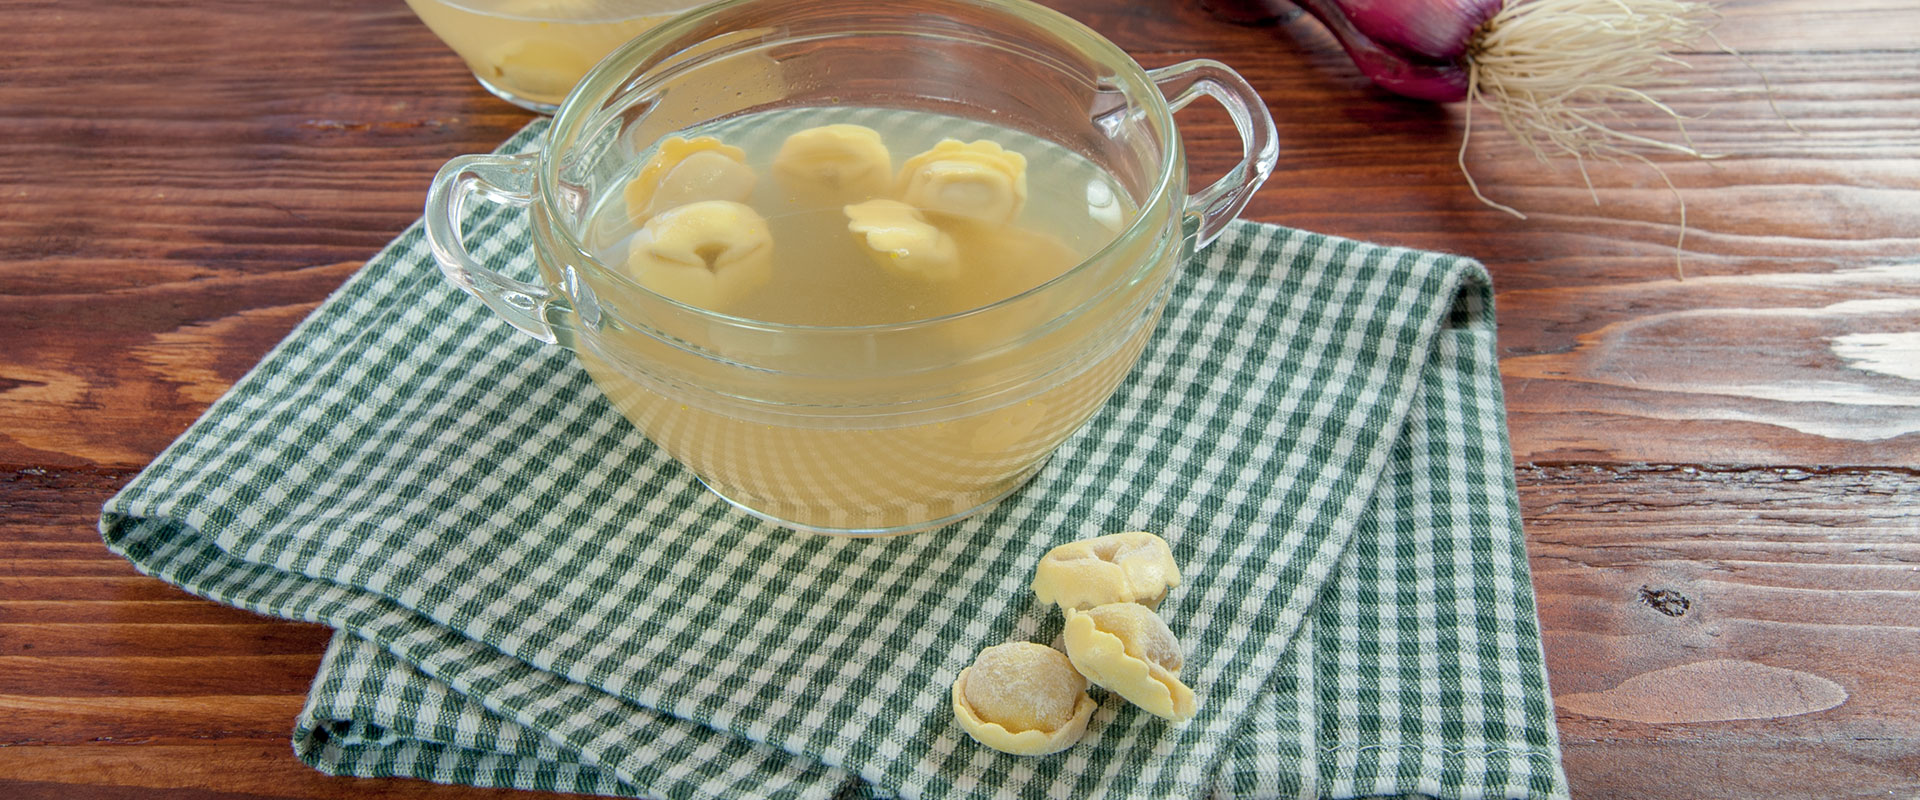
(1218, 204)
(503, 179)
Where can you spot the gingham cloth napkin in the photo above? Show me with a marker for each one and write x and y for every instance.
(530, 594)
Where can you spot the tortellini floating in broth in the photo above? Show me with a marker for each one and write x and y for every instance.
(899, 238)
(834, 165)
(980, 181)
(687, 171)
(704, 254)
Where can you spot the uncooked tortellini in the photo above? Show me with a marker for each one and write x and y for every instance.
(1131, 567)
(1126, 648)
(1022, 698)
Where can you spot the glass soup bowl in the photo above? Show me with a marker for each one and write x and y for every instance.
(531, 52)
(863, 429)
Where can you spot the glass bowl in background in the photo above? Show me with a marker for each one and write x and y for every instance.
(532, 52)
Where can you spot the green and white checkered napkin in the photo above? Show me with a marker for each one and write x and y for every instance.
(530, 594)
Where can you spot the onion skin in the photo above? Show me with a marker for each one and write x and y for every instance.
(1550, 69)
(1441, 30)
(1405, 73)
(1413, 48)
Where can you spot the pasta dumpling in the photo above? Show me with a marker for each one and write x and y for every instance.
(687, 171)
(704, 254)
(980, 181)
(900, 240)
(1126, 648)
(1022, 698)
(1131, 567)
(834, 165)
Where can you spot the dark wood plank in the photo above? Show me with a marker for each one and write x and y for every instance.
(134, 673)
(1868, 769)
(42, 721)
(115, 590)
(262, 637)
(183, 611)
(157, 355)
(1728, 633)
(217, 770)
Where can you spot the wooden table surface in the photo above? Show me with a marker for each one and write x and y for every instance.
(1718, 475)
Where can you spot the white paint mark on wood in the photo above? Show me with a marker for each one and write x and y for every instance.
(1840, 370)
(1896, 354)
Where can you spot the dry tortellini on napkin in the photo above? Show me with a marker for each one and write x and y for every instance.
(1126, 648)
(1131, 567)
(1026, 699)
(1022, 698)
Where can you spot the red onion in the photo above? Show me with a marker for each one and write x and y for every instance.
(1408, 47)
(1447, 50)
(1549, 68)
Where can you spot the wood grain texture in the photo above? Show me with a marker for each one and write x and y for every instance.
(1718, 475)
(1657, 584)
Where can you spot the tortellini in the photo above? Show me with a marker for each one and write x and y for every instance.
(539, 66)
(949, 219)
(706, 254)
(1022, 698)
(949, 216)
(899, 238)
(1126, 648)
(834, 165)
(946, 217)
(687, 171)
(979, 181)
(1121, 645)
(1131, 567)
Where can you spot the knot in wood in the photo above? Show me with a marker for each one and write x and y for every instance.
(1665, 601)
